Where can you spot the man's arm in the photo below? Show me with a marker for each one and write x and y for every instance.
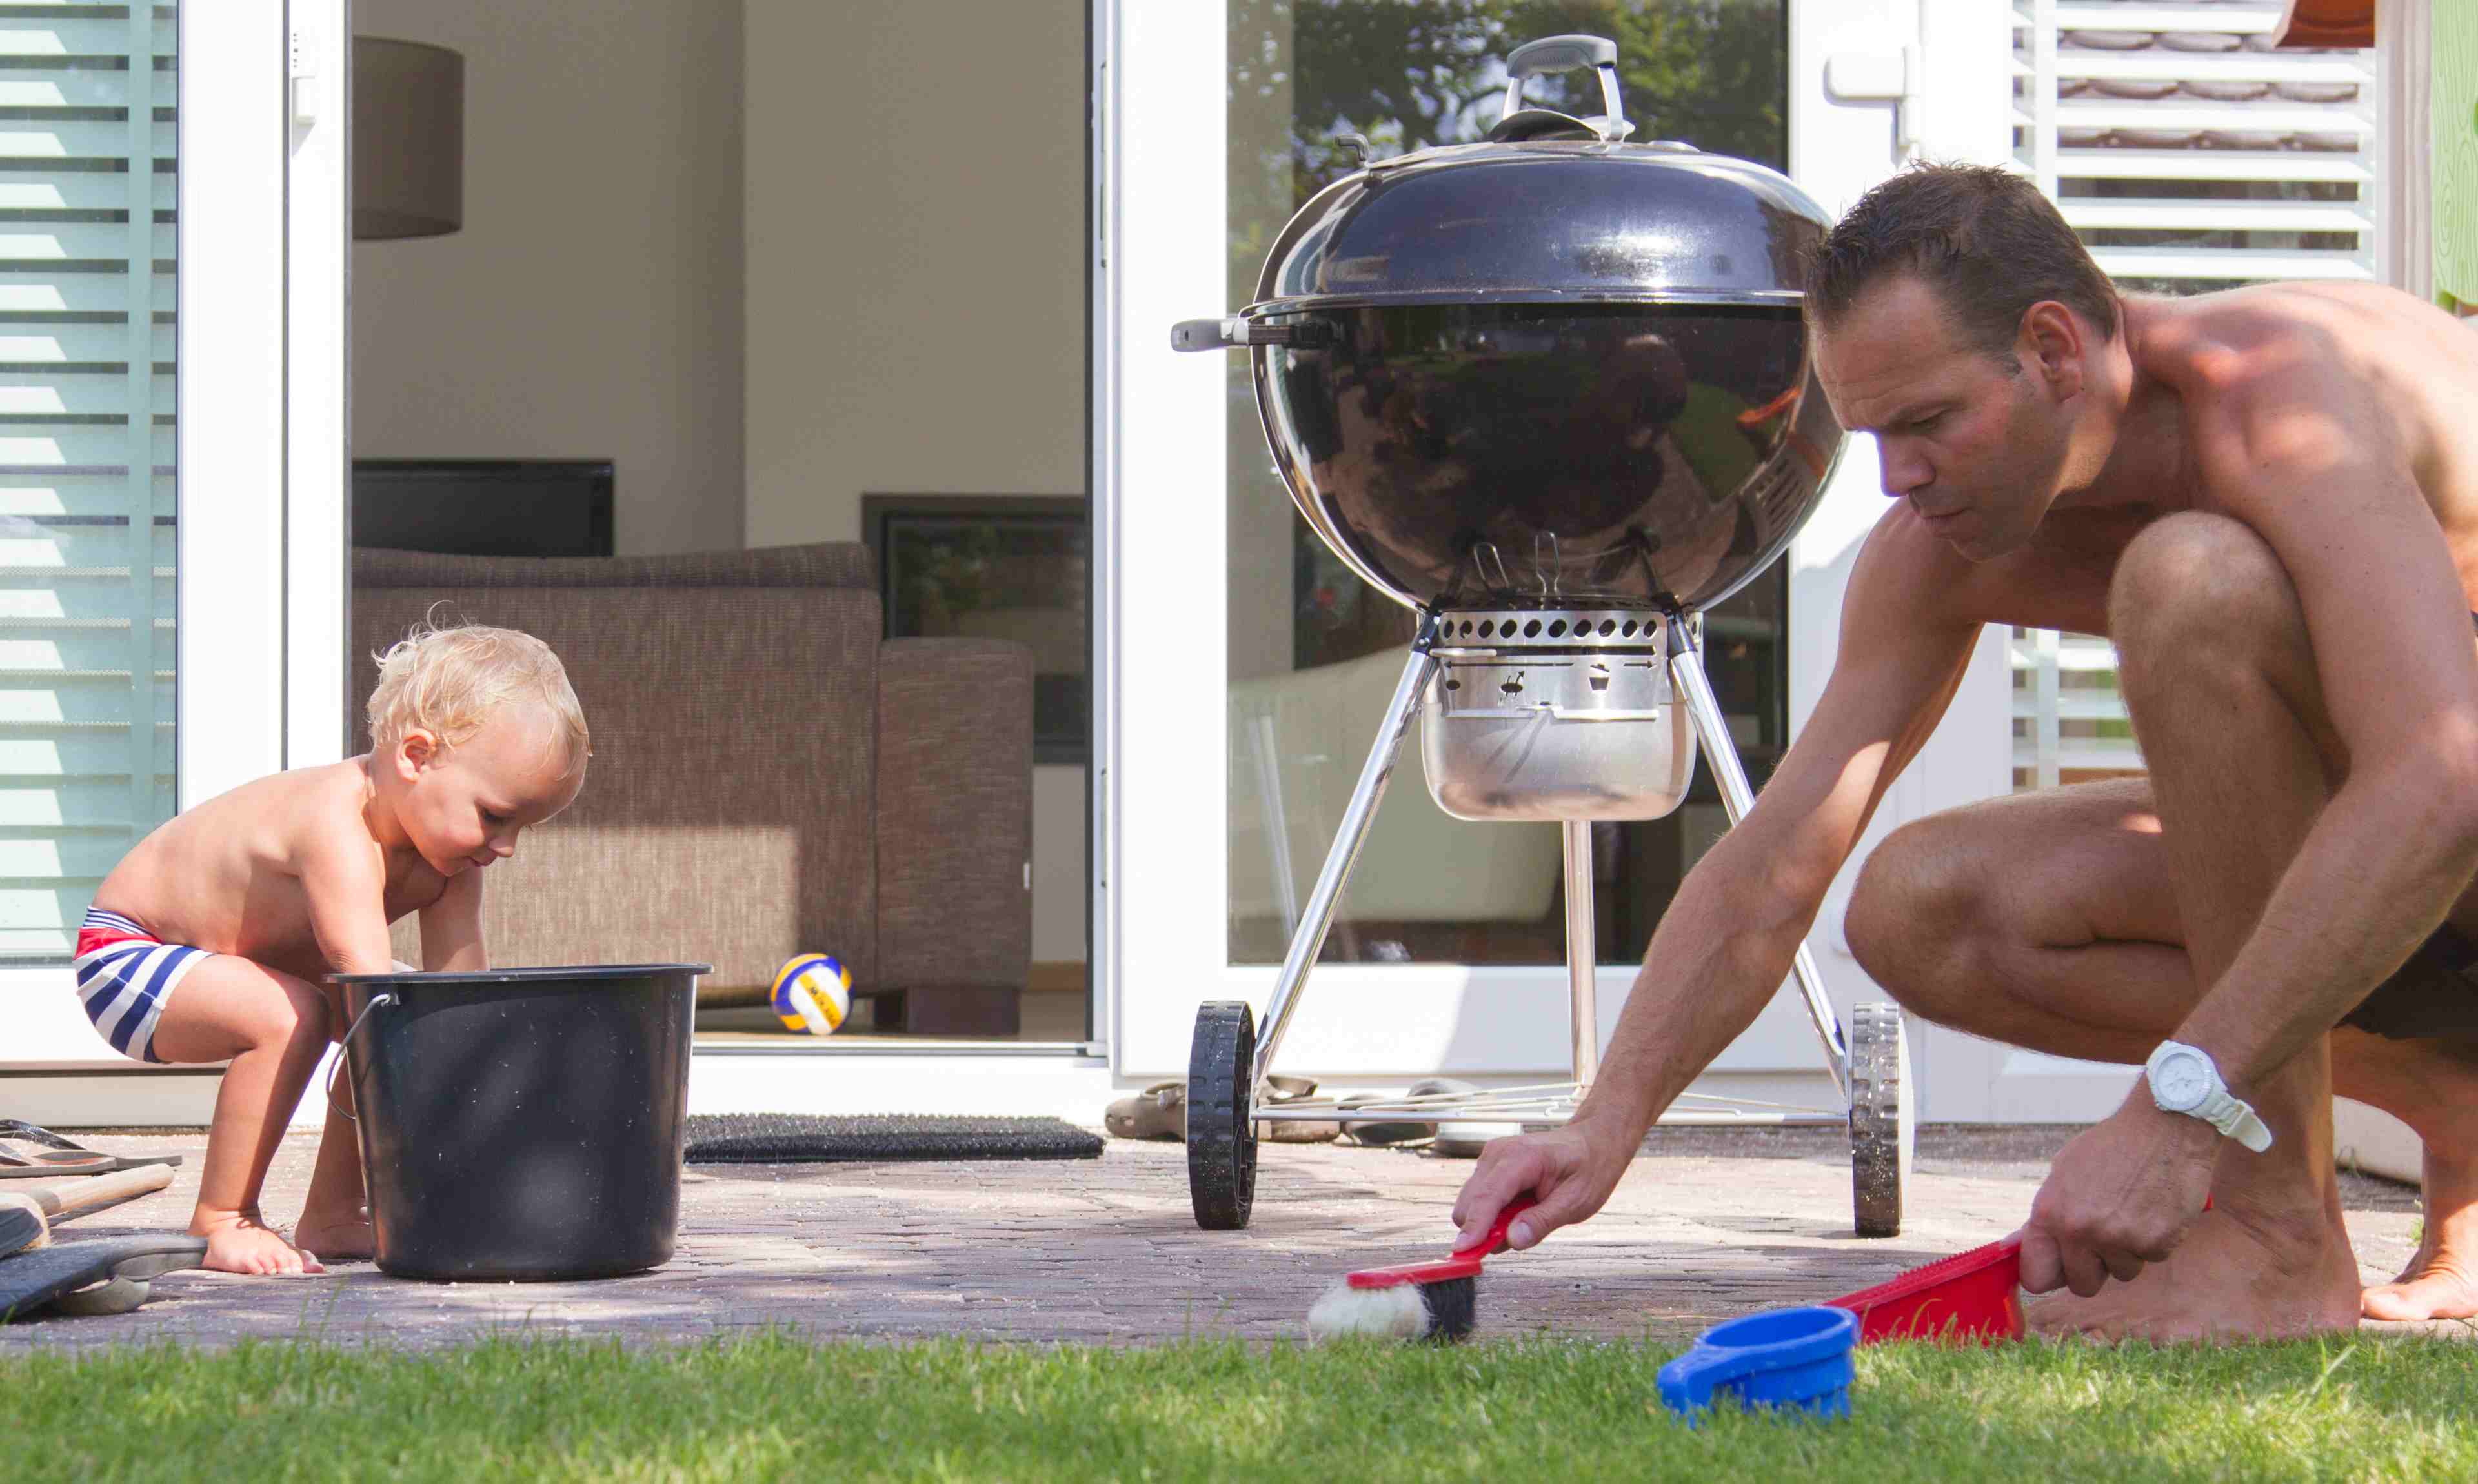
(1726, 940)
(452, 927)
(2306, 457)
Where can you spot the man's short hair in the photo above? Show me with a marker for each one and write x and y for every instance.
(1984, 240)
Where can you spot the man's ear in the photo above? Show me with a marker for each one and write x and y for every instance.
(2050, 345)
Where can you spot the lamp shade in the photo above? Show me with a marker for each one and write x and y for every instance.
(408, 138)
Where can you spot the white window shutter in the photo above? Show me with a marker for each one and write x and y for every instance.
(2189, 156)
(87, 501)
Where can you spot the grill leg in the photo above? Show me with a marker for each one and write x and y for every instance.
(1307, 939)
(1687, 670)
(1582, 954)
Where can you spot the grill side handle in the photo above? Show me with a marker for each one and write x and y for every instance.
(1238, 332)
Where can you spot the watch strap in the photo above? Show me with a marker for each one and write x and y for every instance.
(2236, 1118)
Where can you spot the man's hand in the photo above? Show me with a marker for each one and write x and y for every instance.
(2120, 1195)
(1570, 1170)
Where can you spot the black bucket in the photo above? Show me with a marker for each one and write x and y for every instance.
(523, 1123)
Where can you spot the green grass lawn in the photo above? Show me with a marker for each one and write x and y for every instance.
(775, 1406)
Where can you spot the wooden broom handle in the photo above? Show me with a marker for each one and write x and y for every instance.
(69, 1198)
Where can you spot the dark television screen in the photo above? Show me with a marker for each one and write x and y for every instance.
(484, 508)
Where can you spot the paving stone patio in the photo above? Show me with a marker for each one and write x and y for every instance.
(1711, 1224)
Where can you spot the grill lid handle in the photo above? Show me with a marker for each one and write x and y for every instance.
(1559, 53)
(1570, 54)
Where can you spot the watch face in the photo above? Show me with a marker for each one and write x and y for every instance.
(2181, 1082)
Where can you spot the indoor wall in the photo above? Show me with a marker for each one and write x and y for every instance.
(768, 257)
(591, 306)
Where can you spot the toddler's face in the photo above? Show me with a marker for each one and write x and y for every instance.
(466, 805)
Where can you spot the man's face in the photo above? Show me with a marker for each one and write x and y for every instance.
(1976, 447)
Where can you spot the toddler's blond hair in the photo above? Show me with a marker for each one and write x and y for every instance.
(448, 681)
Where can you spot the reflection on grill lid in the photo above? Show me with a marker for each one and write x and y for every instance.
(1545, 220)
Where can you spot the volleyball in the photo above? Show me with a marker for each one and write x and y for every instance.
(813, 994)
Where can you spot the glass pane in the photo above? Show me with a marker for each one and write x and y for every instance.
(88, 191)
(1314, 653)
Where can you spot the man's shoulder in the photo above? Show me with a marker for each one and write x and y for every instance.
(2220, 347)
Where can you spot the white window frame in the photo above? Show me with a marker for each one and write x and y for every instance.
(260, 460)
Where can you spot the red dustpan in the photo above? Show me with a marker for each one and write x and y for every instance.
(1975, 1296)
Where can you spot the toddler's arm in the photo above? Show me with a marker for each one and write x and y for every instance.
(345, 882)
(451, 928)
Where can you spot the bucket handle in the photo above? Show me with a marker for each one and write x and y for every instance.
(345, 1046)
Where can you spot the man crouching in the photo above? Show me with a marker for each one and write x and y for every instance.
(2268, 499)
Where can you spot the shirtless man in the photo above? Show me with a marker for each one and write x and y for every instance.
(2268, 499)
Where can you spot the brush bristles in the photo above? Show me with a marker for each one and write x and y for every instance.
(1440, 1312)
(1453, 1306)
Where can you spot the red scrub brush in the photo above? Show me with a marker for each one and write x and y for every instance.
(1974, 1295)
(1971, 1296)
(1437, 1302)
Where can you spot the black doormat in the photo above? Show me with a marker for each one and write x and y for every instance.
(800, 1138)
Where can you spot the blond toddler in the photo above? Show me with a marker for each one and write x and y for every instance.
(211, 940)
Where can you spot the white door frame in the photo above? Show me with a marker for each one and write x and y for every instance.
(258, 450)
(1960, 108)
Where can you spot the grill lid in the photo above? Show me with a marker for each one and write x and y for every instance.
(1543, 222)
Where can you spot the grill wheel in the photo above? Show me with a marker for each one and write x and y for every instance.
(1882, 1129)
(1220, 1138)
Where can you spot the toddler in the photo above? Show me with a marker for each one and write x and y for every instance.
(211, 940)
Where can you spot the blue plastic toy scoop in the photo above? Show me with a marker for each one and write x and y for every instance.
(1783, 1358)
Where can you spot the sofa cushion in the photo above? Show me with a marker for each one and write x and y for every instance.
(955, 812)
(727, 815)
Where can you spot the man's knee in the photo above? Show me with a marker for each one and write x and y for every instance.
(2195, 591)
(1914, 913)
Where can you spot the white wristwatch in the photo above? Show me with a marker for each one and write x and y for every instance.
(2183, 1080)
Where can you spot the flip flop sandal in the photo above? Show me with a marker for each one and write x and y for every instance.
(54, 1162)
(1408, 1131)
(1465, 1140)
(55, 1155)
(1159, 1111)
(1291, 1090)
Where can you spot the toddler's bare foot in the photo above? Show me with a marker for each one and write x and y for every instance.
(338, 1237)
(237, 1241)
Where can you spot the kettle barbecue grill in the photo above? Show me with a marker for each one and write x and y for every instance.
(1551, 392)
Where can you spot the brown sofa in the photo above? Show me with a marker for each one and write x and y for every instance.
(769, 776)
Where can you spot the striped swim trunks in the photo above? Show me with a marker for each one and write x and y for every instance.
(126, 977)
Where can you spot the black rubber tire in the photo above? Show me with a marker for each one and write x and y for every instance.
(1882, 1129)
(1221, 1137)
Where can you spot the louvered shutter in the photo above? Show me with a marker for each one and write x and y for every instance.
(87, 193)
(2189, 156)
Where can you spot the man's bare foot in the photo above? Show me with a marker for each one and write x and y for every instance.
(237, 1241)
(2442, 1281)
(338, 1237)
(2230, 1279)
(2431, 1085)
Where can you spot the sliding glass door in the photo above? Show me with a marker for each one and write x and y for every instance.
(1250, 668)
